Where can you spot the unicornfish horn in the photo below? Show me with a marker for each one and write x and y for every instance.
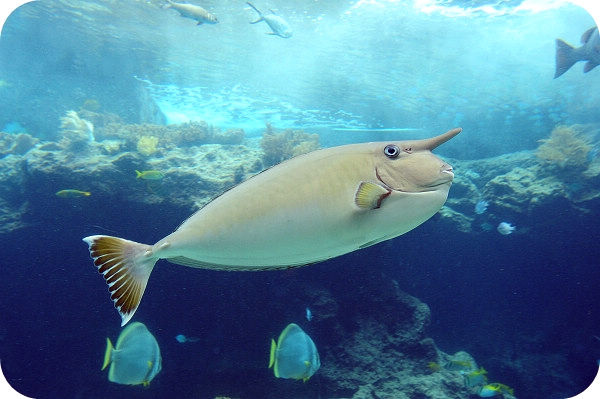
(430, 144)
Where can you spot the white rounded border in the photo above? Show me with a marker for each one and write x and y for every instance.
(8, 6)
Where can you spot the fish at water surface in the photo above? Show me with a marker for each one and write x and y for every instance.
(192, 11)
(305, 210)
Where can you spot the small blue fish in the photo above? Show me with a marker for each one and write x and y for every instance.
(183, 339)
(505, 228)
(309, 315)
(481, 207)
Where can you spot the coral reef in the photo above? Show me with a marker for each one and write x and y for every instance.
(566, 148)
(170, 136)
(76, 133)
(17, 144)
(279, 146)
(147, 145)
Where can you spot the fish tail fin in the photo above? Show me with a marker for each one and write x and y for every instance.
(272, 354)
(138, 174)
(565, 57)
(107, 353)
(86, 193)
(258, 11)
(126, 266)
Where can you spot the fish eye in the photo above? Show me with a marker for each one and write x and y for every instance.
(391, 151)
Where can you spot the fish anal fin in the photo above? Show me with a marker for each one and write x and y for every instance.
(126, 267)
(589, 66)
(370, 195)
(565, 57)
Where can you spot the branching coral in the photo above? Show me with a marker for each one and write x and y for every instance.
(147, 145)
(76, 132)
(566, 148)
(279, 146)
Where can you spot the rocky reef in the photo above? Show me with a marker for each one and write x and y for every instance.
(377, 355)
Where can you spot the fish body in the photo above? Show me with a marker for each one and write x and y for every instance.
(136, 357)
(192, 11)
(294, 355)
(309, 315)
(567, 55)
(494, 389)
(71, 193)
(279, 26)
(481, 206)
(305, 210)
(505, 228)
(149, 174)
(183, 339)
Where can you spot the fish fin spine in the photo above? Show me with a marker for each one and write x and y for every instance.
(126, 267)
(107, 353)
(565, 57)
(272, 353)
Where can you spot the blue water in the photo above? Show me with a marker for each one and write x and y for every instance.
(524, 305)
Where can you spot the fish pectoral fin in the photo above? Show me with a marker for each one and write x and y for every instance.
(370, 195)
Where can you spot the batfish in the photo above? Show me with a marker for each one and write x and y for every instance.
(194, 12)
(305, 210)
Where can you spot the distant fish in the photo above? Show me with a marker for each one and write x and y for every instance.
(183, 339)
(278, 25)
(294, 355)
(136, 357)
(194, 12)
(494, 389)
(71, 193)
(481, 206)
(309, 315)
(149, 174)
(458, 365)
(505, 228)
(567, 55)
(476, 378)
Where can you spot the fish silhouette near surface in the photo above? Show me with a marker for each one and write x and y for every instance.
(192, 11)
(567, 55)
(278, 25)
(305, 210)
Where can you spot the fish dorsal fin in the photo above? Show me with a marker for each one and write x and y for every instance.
(587, 34)
(370, 195)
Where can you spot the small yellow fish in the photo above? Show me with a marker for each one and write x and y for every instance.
(149, 174)
(433, 366)
(71, 193)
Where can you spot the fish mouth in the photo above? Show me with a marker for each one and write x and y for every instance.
(446, 177)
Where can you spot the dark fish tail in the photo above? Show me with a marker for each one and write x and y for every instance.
(565, 57)
(589, 66)
(260, 15)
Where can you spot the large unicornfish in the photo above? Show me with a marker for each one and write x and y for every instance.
(307, 209)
